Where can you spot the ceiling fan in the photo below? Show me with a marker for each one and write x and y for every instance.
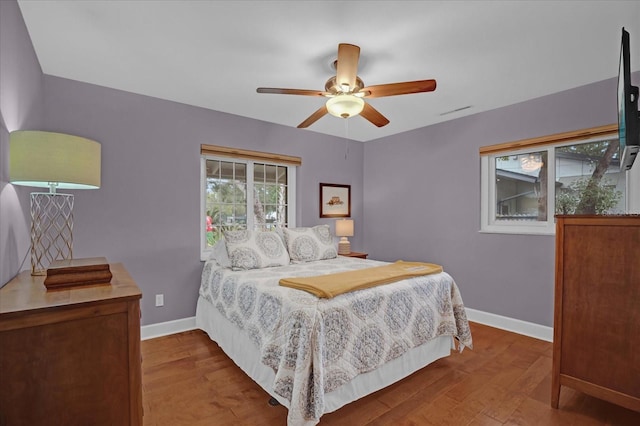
(346, 90)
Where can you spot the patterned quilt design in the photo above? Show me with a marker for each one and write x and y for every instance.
(316, 345)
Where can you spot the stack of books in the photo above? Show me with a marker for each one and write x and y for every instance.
(77, 272)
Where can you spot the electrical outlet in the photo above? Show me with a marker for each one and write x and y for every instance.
(159, 299)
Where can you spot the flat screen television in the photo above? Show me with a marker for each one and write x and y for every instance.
(628, 115)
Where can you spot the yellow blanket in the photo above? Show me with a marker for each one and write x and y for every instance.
(331, 285)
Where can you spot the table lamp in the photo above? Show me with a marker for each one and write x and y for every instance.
(54, 161)
(344, 229)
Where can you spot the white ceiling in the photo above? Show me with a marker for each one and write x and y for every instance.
(214, 54)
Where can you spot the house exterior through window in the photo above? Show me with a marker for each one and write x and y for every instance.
(522, 189)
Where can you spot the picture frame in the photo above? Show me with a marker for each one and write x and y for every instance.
(335, 200)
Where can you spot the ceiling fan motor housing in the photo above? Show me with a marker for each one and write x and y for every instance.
(332, 86)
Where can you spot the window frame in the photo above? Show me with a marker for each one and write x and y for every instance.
(246, 157)
(488, 154)
(488, 195)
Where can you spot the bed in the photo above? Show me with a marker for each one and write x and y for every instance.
(314, 355)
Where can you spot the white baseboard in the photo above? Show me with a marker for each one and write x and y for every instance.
(504, 323)
(511, 324)
(165, 328)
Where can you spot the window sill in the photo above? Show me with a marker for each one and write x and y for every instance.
(517, 230)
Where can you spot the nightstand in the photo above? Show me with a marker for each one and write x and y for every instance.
(356, 254)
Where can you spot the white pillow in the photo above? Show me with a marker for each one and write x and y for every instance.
(219, 253)
(309, 244)
(255, 249)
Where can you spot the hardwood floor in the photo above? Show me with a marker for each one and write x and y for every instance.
(504, 380)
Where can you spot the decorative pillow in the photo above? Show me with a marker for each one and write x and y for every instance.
(255, 249)
(308, 244)
(219, 253)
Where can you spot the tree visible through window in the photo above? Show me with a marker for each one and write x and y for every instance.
(226, 198)
(241, 195)
(523, 188)
(597, 187)
(588, 181)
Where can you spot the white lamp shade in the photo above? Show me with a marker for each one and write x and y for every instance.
(40, 159)
(345, 106)
(344, 228)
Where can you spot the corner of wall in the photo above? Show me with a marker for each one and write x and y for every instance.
(21, 81)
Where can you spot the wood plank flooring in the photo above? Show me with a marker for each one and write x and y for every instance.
(504, 380)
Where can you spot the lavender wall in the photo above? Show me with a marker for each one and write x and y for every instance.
(415, 195)
(20, 108)
(422, 200)
(146, 214)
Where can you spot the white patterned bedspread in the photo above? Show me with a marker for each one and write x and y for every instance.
(316, 345)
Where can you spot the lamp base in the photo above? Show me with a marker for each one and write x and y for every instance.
(51, 229)
(344, 246)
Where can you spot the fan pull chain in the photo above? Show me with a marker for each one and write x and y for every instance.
(346, 140)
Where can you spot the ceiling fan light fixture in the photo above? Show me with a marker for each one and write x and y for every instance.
(345, 91)
(345, 106)
(531, 162)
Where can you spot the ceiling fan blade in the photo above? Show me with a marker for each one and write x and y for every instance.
(321, 112)
(372, 114)
(347, 66)
(394, 89)
(290, 91)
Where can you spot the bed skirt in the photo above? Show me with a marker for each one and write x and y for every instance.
(234, 342)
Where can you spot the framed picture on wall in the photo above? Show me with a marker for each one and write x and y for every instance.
(335, 200)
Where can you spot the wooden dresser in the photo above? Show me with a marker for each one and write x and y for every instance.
(596, 342)
(70, 356)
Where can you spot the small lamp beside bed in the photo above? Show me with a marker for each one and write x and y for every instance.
(344, 229)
